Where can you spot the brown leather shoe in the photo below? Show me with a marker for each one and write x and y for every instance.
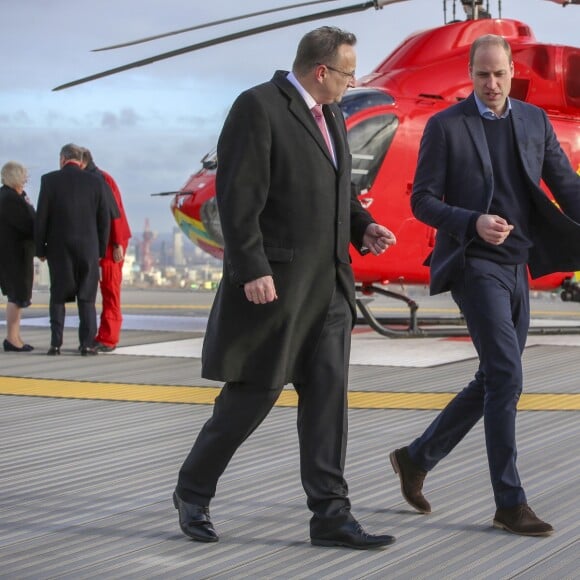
(521, 520)
(411, 478)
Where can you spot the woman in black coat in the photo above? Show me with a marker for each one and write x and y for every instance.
(16, 257)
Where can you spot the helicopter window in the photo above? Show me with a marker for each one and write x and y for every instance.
(356, 100)
(209, 160)
(369, 142)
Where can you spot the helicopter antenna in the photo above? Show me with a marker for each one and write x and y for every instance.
(209, 24)
(376, 4)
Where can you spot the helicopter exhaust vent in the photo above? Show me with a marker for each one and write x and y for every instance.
(428, 96)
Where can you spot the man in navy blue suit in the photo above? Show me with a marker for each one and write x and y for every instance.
(477, 182)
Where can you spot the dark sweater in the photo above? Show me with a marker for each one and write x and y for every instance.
(510, 199)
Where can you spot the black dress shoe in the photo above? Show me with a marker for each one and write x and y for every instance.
(9, 347)
(351, 535)
(194, 520)
(88, 351)
(53, 351)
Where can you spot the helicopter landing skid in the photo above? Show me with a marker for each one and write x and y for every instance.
(415, 327)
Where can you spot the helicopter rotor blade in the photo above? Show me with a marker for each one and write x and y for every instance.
(376, 4)
(209, 24)
(565, 3)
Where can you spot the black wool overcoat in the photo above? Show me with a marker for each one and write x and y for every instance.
(288, 212)
(17, 243)
(72, 229)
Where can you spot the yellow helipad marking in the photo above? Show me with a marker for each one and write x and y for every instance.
(288, 398)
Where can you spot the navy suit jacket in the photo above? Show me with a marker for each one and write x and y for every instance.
(454, 184)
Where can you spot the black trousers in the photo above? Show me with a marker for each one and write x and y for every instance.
(87, 322)
(322, 427)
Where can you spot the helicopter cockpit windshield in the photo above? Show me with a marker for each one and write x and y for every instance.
(355, 100)
(370, 139)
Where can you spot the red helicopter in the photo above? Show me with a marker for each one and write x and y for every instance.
(385, 117)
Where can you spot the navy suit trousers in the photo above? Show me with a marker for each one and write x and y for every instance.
(494, 299)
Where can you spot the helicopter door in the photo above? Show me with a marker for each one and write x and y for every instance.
(369, 142)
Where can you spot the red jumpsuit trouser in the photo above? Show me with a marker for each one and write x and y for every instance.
(111, 316)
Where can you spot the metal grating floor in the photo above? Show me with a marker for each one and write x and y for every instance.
(85, 485)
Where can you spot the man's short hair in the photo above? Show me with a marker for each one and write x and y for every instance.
(320, 46)
(490, 40)
(71, 151)
(87, 156)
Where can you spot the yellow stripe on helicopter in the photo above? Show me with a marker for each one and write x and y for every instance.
(193, 229)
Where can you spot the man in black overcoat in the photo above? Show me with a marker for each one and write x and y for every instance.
(72, 229)
(284, 310)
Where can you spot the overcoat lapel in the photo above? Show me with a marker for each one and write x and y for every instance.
(298, 108)
(337, 137)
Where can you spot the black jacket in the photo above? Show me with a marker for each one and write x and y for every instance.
(72, 229)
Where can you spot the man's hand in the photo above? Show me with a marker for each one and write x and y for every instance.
(117, 254)
(493, 229)
(378, 238)
(261, 290)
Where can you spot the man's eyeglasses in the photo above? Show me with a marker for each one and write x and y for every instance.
(347, 75)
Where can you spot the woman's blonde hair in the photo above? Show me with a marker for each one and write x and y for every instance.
(14, 174)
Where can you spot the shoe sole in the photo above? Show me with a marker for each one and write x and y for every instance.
(337, 544)
(204, 540)
(397, 470)
(502, 526)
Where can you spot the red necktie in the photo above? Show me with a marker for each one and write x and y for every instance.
(319, 117)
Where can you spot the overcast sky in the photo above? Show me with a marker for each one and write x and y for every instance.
(150, 127)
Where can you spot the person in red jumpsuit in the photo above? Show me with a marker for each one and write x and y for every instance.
(111, 264)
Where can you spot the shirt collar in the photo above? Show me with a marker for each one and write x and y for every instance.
(308, 98)
(487, 113)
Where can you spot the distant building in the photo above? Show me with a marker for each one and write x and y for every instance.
(178, 255)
